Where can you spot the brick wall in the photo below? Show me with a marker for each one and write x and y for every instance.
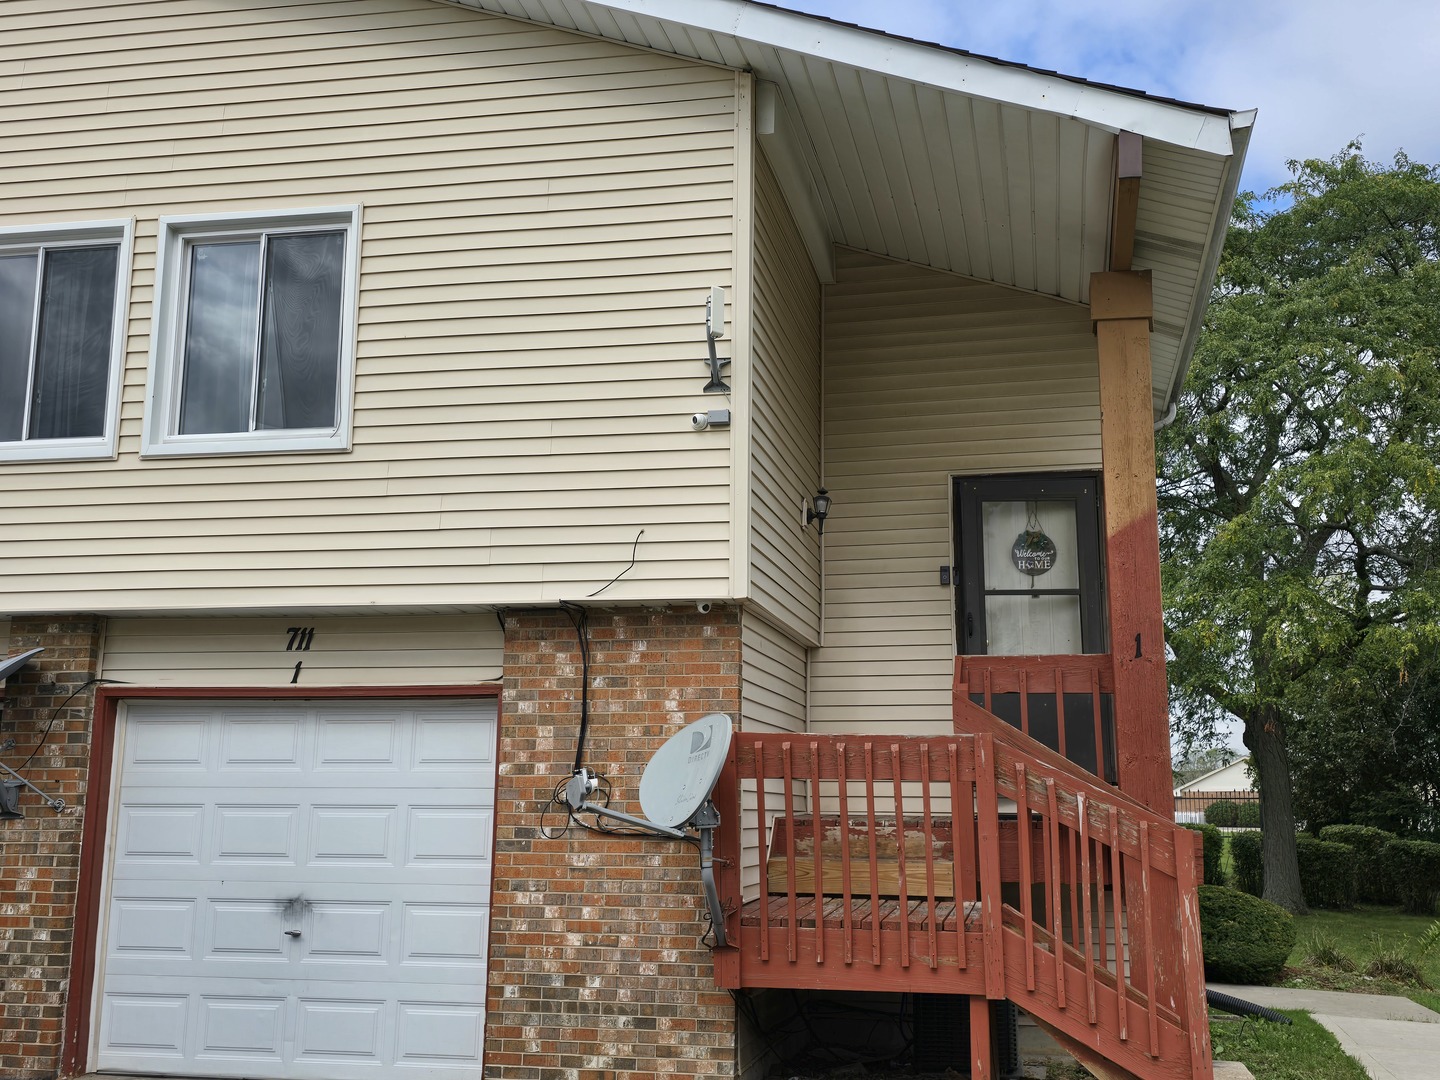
(596, 967)
(42, 852)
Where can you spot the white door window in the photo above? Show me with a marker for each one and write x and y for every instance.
(299, 892)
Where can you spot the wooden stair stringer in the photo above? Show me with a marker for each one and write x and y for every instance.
(1098, 1042)
(1098, 1064)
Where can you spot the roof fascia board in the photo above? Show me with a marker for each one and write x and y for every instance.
(1199, 130)
(1243, 123)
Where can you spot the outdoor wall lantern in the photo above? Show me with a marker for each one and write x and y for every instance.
(817, 513)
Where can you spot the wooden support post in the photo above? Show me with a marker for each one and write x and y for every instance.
(980, 1051)
(1127, 199)
(1121, 308)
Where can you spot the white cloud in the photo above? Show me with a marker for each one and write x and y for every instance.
(1320, 72)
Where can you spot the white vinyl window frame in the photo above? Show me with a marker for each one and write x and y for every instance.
(163, 387)
(28, 239)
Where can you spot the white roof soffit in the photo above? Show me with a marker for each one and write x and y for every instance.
(964, 163)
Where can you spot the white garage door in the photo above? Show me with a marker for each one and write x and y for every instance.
(299, 890)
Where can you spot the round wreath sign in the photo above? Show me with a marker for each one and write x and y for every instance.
(1033, 553)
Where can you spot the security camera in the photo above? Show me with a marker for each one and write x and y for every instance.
(713, 418)
(703, 606)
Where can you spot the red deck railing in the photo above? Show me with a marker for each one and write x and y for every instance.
(976, 864)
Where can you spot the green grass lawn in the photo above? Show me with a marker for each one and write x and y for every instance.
(1302, 1050)
(1364, 936)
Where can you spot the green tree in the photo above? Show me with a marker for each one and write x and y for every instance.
(1367, 751)
(1299, 487)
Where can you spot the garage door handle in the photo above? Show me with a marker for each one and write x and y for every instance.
(292, 933)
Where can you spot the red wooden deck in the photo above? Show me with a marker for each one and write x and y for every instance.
(900, 864)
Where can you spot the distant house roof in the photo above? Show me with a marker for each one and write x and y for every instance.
(1232, 777)
(961, 162)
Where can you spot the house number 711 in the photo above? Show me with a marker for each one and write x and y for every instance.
(301, 638)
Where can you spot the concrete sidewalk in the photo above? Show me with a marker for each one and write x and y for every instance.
(1392, 1037)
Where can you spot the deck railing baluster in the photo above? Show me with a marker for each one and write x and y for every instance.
(762, 797)
(1083, 882)
(1060, 712)
(928, 837)
(818, 854)
(1027, 885)
(962, 840)
(787, 778)
(1057, 921)
(903, 884)
(1024, 704)
(848, 916)
(874, 861)
(1150, 953)
(1097, 722)
(1122, 975)
(989, 837)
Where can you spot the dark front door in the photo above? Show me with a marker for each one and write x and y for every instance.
(1029, 585)
(1029, 581)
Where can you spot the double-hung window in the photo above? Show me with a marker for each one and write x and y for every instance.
(62, 333)
(254, 345)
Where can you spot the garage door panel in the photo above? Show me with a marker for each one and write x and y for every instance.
(254, 833)
(145, 1025)
(160, 832)
(350, 834)
(342, 1030)
(443, 1035)
(151, 928)
(300, 894)
(270, 742)
(354, 743)
(249, 1028)
(177, 742)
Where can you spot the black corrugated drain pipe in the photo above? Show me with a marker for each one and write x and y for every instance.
(1240, 1007)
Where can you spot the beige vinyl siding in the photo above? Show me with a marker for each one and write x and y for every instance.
(543, 216)
(772, 677)
(928, 375)
(343, 651)
(772, 698)
(785, 401)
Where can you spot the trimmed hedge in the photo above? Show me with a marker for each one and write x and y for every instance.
(1414, 867)
(1327, 873)
(1375, 885)
(1249, 815)
(1223, 813)
(1244, 939)
(1249, 866)
(1214, 844)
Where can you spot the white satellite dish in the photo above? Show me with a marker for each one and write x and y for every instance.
(675, 795)
(682, 773)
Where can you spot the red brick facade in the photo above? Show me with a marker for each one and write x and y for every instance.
(596, 967)
(42, 852)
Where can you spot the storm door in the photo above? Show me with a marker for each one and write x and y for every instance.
(1029, 566)
(1029, 584)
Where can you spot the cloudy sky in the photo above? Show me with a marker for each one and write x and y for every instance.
(1321, 72)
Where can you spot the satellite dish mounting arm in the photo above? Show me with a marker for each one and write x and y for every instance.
(584, 782)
